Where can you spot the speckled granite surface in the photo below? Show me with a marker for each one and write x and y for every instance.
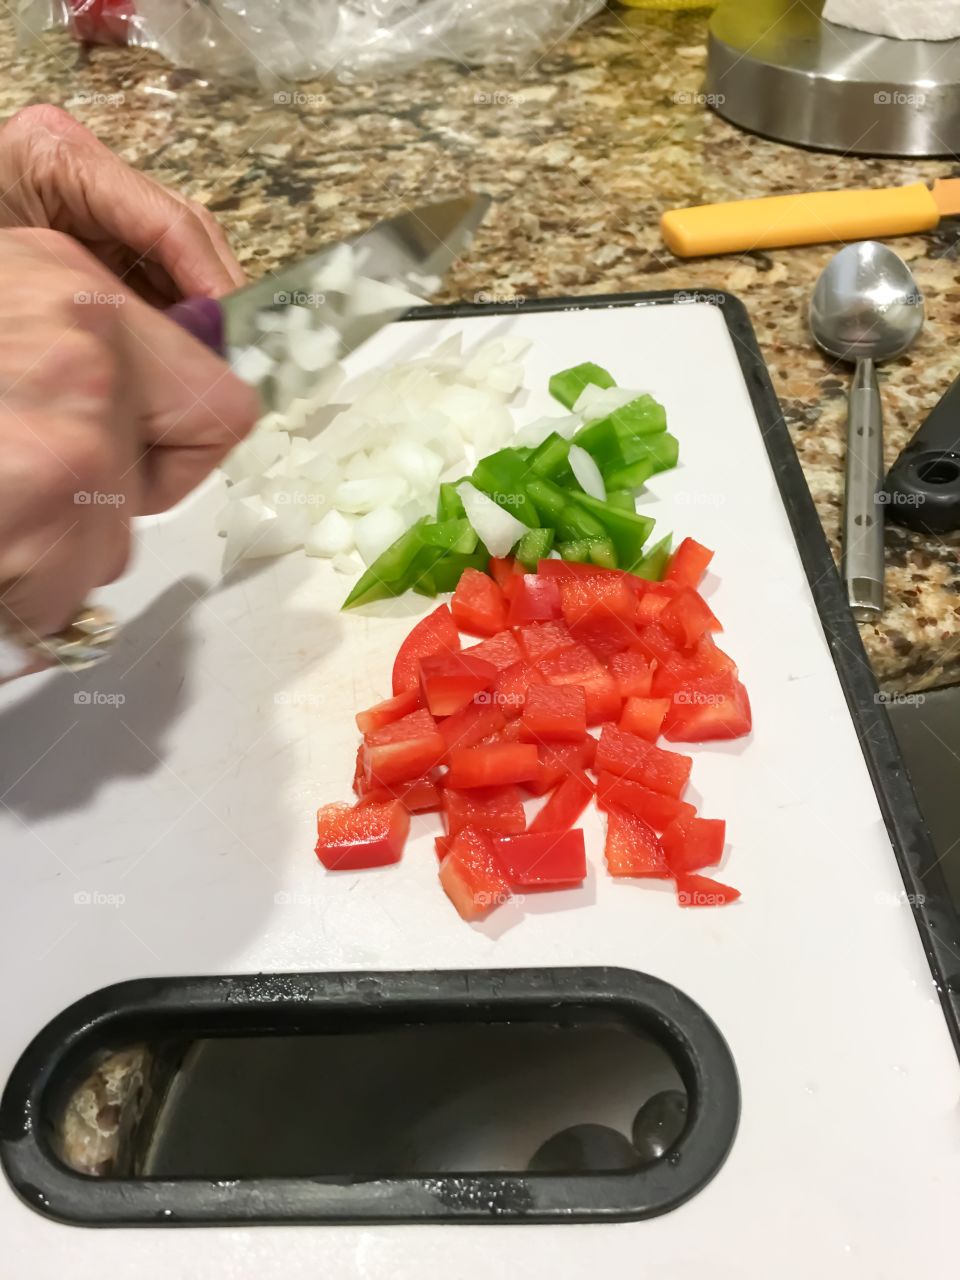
(582, 155)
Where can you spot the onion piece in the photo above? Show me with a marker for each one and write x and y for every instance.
(596, 402)
(496, 528)
(375, 531)
(587, 473)
(332, 535)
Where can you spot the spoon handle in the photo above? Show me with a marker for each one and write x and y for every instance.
(862, 512)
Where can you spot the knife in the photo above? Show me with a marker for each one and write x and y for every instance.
(406, 250)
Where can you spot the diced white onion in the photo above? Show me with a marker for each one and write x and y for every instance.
(587, 473)
(330, 536)
(596, 402)
(496, 528)
(375, 531)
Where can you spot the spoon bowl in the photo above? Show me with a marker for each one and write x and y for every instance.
(866, 305)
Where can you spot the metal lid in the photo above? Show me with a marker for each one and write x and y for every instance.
(776, 68)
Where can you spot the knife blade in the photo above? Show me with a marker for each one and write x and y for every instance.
(408, 250)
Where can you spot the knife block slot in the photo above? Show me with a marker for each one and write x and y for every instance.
(308, 1097)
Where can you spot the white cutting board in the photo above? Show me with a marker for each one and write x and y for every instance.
(184, 811)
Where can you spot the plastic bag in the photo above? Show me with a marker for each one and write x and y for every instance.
(303, 39)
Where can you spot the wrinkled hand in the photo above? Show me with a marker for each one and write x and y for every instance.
(55, 173)
(107, 410)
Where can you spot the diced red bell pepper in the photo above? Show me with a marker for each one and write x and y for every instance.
(502, 569)
(510, 691)
(558, 761)
(692, 843)
(632, 672)
(554, 714)
(421, 795)
(390, 709)
(532, 599)
(632, 847)
(476, 721)
(659, 810)
(630, 757)
(436, 633)
(542, 639)
(687, 617)
(688, 563)
(565, 805)
(597, 597)
(701, 891)
(498, 809)
(579, 666)
(450, 681)
(479, 606)
(471, 875)
(717, 708)
(644, 716)
(501, 650)
(573, 569)
(675, 670)
(494, 764)
(605, 637)
(543, 860)
(401, 751)
(509, 733)
(649, 608)
(352, 837)
(359, 777)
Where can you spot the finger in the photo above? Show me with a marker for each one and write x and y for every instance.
(193, 409)
(86, 190)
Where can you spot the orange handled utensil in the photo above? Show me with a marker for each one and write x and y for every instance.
(815, 217)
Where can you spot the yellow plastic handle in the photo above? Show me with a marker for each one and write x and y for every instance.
(814, 218)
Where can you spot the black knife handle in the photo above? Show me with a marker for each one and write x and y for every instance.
(922, 488)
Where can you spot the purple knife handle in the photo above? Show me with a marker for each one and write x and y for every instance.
(203, 318)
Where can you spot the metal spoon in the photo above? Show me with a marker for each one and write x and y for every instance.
(865, 307)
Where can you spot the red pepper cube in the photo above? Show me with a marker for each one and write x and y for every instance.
(560, 760)
(389, 710)
(503, 568)
(717, 708)
(649, 608)
(542, 639)
(579, 666)
(686, 618)
(476, 721)
(554, 713)
(692, 843)
(436, 633)
(496, 809)
(421, 795)
(352, 837)
(630, 757)
(494, 764)
(701, 891)
(688, 564)
(632, 847)
(597, 598)
(532, 599)
(479, 606)
(565, 805)
(452, 680)
(644, 716)
(659, 810)
(406, 749)
(501, 650)
(544, 860)
(632, 672)
(471, 876)
(513, 685)
(605, 637)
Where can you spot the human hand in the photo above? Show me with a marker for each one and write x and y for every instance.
(107, 410)
(55, 173)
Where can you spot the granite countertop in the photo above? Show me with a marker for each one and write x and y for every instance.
(581, 154)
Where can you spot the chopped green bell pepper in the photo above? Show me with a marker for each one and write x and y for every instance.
(456, 536)
(413, 556)
(549, 459)
(663, 451)
(567, 385)
(622, 499)
(627, 530)
(603, 553)
(534, 547)
(449, 504)
(630, 477)
(559, 509)
(503, 476)
(654, 563)
(446, 573)
(578, 550)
